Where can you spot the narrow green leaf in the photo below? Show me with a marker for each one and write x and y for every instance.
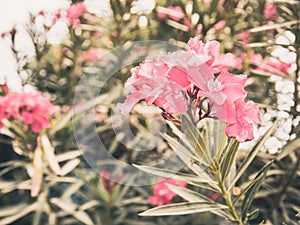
(183, 152)
(182, 209)
(193, 196)
(188, 194)
(250, 194)
(173, 174)
(194, 136)
(251, 155)
(229, 157)
(289, 148)
(245, 190)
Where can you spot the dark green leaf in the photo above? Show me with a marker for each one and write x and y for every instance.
(250, 194)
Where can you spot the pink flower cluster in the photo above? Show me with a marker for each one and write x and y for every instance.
(31, 109)
(189, 77)
(162, 195)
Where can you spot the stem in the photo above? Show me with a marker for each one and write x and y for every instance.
(108, 210)
(227, 197)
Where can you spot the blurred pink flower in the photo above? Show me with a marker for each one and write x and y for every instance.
(274, 65)
(188, 23)
(74, 12)
(32, 109)
(91, 55)
(241, 118)
(220, 25)
(270, 11)
(245, 37)
(110, 182)
(162, 195)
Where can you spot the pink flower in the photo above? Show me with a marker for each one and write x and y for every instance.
(91, 55)
(226, 86)
(220, 25)
(274, 65)
(74, 12)
(270, 12)
(232, 86)
(162, 194)
(211, 51)
(245, 37)
(160, 91)
(188, 23)
(32, 109)
(241, 119)
(187, 66)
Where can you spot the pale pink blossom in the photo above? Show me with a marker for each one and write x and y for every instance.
(211, 51)
(160, 91)
(220, 25)
(226, 86)
(91, 55)
(241, 118)
(161, 69)
(162, 195)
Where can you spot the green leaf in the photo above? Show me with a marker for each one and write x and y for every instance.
(251, 155)
(173, 174)
(289, 148)
(193, 196)
(188, 194)
(182, 209)
(194, 136)
(250, 194)
(184, 153)
(229, 158)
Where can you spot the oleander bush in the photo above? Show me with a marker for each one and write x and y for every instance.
(179, 155)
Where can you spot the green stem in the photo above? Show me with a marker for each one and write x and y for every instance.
(108, 210)
(227, 197)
